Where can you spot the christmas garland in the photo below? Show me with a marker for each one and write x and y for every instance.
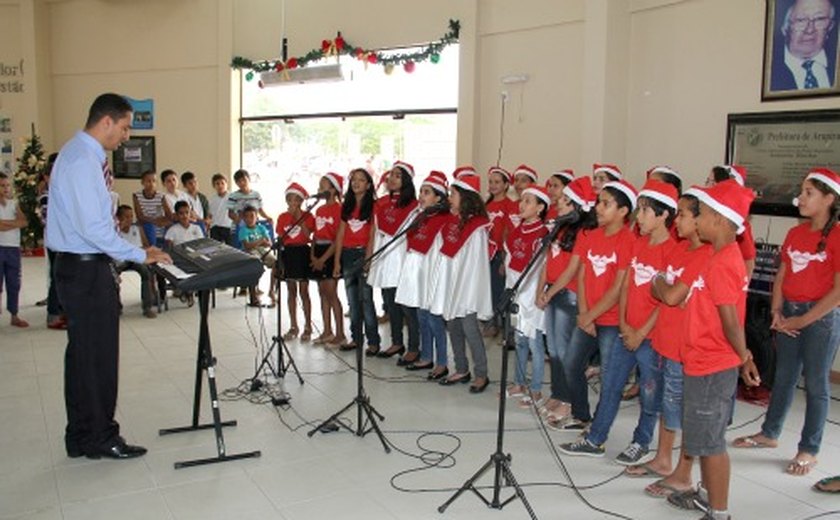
(339, 45)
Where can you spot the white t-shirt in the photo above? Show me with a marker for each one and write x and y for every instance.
(171, 199)
(132, 236)
(178, 234)
(8, 211)
(195, 204)
(218, 207)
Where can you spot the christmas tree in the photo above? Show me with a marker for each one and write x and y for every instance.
(28, 180)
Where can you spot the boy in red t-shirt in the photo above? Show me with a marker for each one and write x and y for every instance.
(715, 345)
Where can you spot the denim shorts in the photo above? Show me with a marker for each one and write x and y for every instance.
(672, 394)
(707, 408)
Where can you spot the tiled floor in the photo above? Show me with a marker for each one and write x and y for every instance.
(332, 475)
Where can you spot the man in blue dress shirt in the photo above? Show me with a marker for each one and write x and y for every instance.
(80, 228)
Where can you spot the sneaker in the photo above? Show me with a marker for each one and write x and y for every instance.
(690, 500)
(582, 448)
(632, 454)
(570, 424)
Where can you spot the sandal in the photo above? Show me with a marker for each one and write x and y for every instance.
(642, 471)
(324, 338)
(290, 334)
(307, 334)
(347, 346)
(828, 485)
(752, 441)
(660, 489)
(800, 467)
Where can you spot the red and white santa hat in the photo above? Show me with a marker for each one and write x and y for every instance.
(568, 174)
(581, 192)
(468, 183)
(336, 180)
(504, 174)
(667, 170)
(728, 198)
(625, 188)
(296, 189)
(827, 177)
(660, 191)
(524, 169)
(437, 181)
(463, 170)
(407, 168)
(540, 192)
(737, 173)
(610, 169)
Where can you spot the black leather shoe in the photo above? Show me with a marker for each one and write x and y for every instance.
(391, 351)
(477, 389)
(424, 366)
(463, 379)
(75, 453)
(408, 359)
(435, 376)
(120, 450)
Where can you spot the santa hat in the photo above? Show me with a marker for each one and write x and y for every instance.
(336, 180)
(297, 189)
(625, 188)
(539, 192)
(660, 191)
(610, 169)
(737, 173)
(727, 198)
(524, 169)
(437, 181)
(407, 168)
(463, 170)
(667, 170)
(502, 172)
(581, 192)
(567, 174)
(468, 183)
(827, 177)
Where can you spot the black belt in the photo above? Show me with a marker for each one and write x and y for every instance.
(85, 257)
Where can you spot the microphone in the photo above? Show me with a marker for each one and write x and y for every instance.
(568, 218)
(440, 207)
(322, 195)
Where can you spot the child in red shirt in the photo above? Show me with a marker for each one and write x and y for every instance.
(295, 258)
(353, 243)
(638, 312)
(327, 219)
(554, 185)
(605, 254)
(745, 240)
(391, 214)
(806, 319)
(499, 208)
(715, 345)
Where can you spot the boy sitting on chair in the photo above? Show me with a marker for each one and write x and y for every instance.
(256, 241)
(131, 232)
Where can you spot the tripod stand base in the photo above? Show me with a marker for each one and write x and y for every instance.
(501, 463)
(364, 409)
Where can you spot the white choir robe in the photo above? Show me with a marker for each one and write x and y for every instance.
(386, 268)
(413, 286)
(530, 318)
(460, 285)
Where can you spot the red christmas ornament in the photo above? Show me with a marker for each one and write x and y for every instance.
(339, 42)
(360, 53)
(409, 66)
(278, 66)
(372, 58)
(292, 63)
(325, 45)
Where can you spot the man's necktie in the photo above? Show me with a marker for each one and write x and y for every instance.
(108, 175)
(810, 79)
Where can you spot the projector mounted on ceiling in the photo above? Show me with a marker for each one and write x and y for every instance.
(314, 74)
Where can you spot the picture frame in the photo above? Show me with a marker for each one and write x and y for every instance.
(797, 32)
(778, 149)
(134, 157)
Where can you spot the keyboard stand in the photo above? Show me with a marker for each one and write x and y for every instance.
(206, 361)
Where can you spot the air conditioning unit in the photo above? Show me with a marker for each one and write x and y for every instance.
(315, 74)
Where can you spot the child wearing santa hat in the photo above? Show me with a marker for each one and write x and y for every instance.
(294, 229)
(715, 346)
(327, 219)
(745, 240)
(806, 318)
(500, 207)
(603, 173)
(459, 281)
(392, 214)
(554, 185)
(523, 177)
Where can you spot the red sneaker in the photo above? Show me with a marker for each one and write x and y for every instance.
(57, 324)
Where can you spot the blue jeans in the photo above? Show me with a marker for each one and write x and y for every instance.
(672, 393)
(534, 347)
(621, 364)
(812, 354)
(581, 348)
(353, 285)
(432, 337)
(10, 271)
(400, 315)
(560, 316)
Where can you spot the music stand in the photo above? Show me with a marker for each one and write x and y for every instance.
(277, 339)
(499, 460)
(364, 408)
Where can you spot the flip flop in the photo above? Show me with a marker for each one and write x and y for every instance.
(645, 472)
(800, 467)
(820, 485)
(660, 489)
(750, 442)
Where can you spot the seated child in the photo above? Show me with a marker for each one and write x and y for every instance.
(130, 231)
(257, 242)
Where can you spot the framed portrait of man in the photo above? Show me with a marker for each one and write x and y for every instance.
(800, 49)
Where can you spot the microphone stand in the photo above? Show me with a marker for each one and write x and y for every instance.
(499, 460)
(364, 408)
(277, 339)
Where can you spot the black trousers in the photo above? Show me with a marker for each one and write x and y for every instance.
(88, 291)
